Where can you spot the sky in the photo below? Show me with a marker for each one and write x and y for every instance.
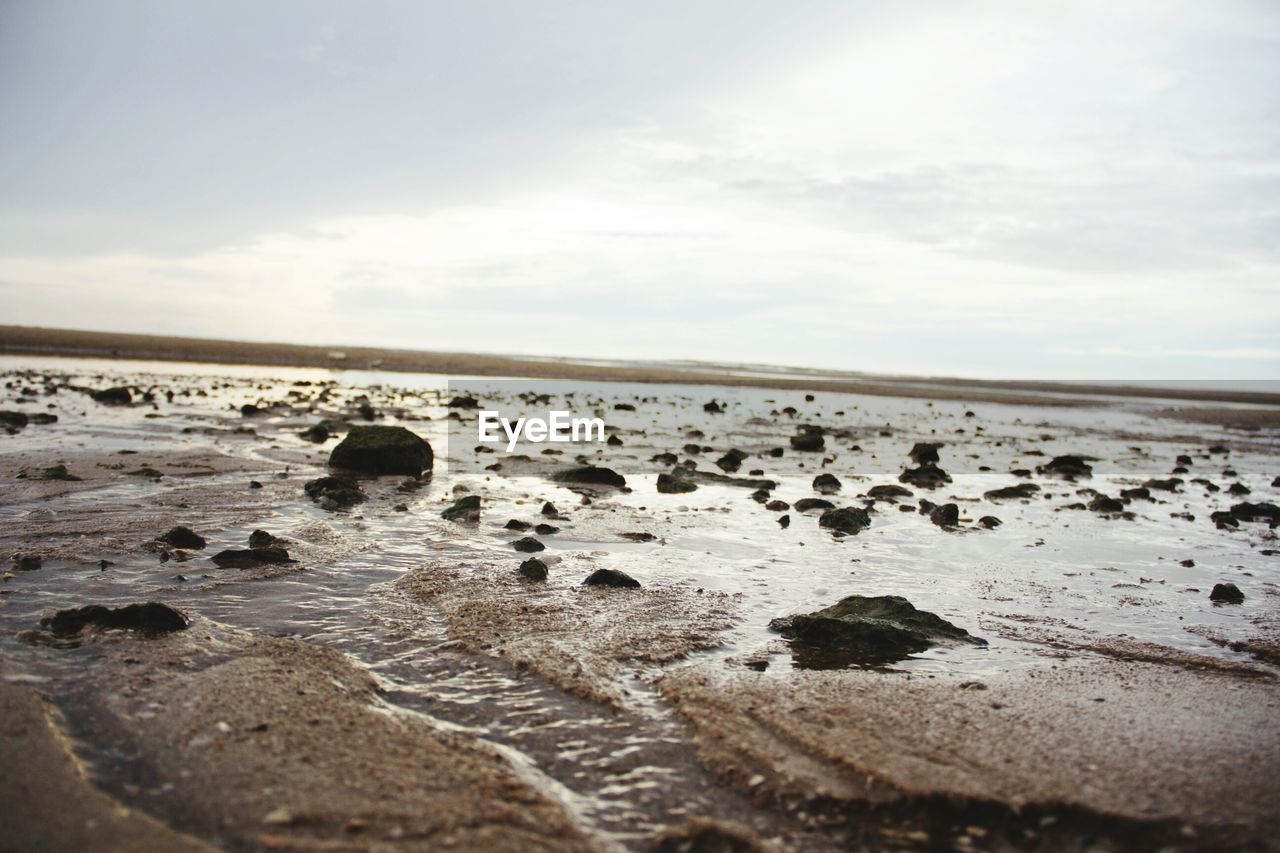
(1083, 190)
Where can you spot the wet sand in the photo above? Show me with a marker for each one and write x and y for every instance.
(400, 686)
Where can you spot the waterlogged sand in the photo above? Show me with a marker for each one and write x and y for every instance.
(1140, 742)
(582, 639)
(399, 686)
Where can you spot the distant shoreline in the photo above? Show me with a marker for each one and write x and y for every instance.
(31, 340)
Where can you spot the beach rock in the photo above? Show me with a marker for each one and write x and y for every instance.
(889, 492)
(731, 461)
(924, 453)
(14, 420)
(613, 578)
(827, 484)
(382, 450)
(183, 537)
(533, 569)
(263, 539)
(669, 485)
(27, 562)
(144, 471)
(1169, 485)
(591, 475)
(516, 525)
(334, 492)
(464, 402)
(1226, 593)
(990, 522)
(807, 504)
(613, 441)
(926, 477)
(711, 478)
(1256, 512)
(1020, 491)
(863, 629)
(549, 510)
(546, 529)
(251, 558)
(1106, 505)
(810, 441)
(712, 408)
(43, 418)
(777, 506)
(667, 459)
(528, 545)
(1141, 493)
(1067, 467)
(118, 396)
(464, 509)
(1238, 490)
(315, 434)
(150, 618)
(847, 520)
(784, 521)
(946, 515)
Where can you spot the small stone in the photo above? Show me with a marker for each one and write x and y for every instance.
(528, 545)
(1226, 593)
(533, 569)
(611, 577)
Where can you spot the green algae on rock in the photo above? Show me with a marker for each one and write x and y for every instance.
(863, 629)
(382, 450)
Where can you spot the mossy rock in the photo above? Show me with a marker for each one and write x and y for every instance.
(334, 491)
(464, 509)
(382, 450)
(867, 630)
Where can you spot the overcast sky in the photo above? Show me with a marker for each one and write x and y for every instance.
(1061, 190)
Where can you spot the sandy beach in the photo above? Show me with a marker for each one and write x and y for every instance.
(380, 668)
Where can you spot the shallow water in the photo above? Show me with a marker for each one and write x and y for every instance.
(626, 774)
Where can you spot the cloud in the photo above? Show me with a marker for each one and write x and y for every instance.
(992, 188)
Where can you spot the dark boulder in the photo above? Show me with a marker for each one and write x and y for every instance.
(810, 441)
(546, 529)
(112, 396)
(807, 504)
(516, 525)
(334, 492)
(924, 452)
(464, 402)
(613, 578)
(533, 569)
(263, 539)
(947, 515)
(251, 558)
(183, 537)
(53, 472)
(382, 450)
(1256, 512)
(862, 629)
(889, 492)
(1067, 467)
(848, 520)
(1105, 505)
(528, 545)
(1226, 593)
(990, 522)
(1020, 491)
(731, 461)
(827, 484)
(669, 485)
(925, 477)
(1169, 485)
(466, 509)
(150, 618)
(591, 475)
(13, 420)
(316, 434)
